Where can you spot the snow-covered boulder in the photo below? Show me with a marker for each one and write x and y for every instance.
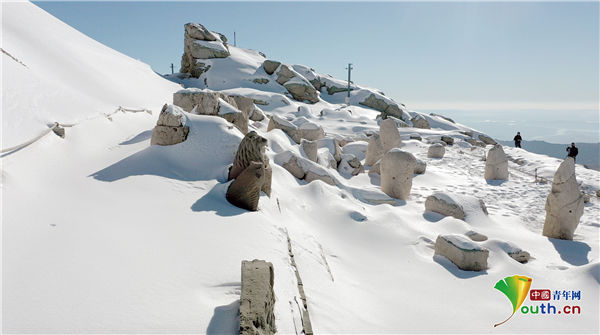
(475, 142)
(244, 191)
(436, 150)
(357, 148)
(496, 164)
(256, 114)
(350, 165)
(466, 254)
(170, 128)
(257, 298)
(310, 149)
(333, 147)
(389, 135)
(270, 66)
(307, 130)
(419, 121)
(298, 86)
(374, 150)
(564, 205)
(397, 170)
(233, 115)
(475, 236)
(303, 168)
(386, 106)
(486, 139)
(200, 43)
(454, 205)
(312, 175)
(421, 167)
(447, 139)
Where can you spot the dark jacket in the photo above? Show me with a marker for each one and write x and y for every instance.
(573, 151)
(518, 138)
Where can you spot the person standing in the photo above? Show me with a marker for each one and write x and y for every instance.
(572, 151)
(518, 140)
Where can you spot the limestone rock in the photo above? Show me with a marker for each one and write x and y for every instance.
(270, 66)
(333, 146)
(564, 205)
(58, 130)
(301, 91)
(326, 159)
(170, 128)
(520, 256)
(475, 142)
(442, 204)
(350, 165)
(257, 299)
(487, 140)
(312, 176)
(284, 74)
(375, 150)
(235, 109)
(420, 122)
(200, 43)
(389, 135)
(376, 168)
(252, 149)
(448, 140)
(257, 114)
(292, 166)
(244, 191)
(386, 106)
(397, 169)
(475, 236)
(461, 251)
(421, 167)
(496, 164)
(233, 115)
(415, 136)
(310, 149)
(436, 150)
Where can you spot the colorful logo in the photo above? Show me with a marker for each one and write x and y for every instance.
(516, 289)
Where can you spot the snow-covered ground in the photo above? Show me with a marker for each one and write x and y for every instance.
(103, 233)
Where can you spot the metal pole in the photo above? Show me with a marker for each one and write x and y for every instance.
(172, 68)
(349, 69)
(234, 40)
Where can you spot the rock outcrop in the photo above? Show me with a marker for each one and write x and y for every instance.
(235, 109)
(419, 121)
(463, 252)
(436, 150)
(200, 43)
(257, 299)
(386, 106)
(310, 149)
(252, 149)
(300, 128)
(487, 140)
(244, 191)
(170, 128)
(397, 170)
(564, 205)
(496, 164)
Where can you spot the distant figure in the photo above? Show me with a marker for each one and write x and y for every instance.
(518, 140)
(573, 151)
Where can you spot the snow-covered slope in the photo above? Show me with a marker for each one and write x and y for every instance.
(53, 73)
(103, 233)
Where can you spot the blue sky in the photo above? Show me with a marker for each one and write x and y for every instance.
(459, 55)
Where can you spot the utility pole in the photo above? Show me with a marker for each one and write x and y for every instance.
(172, 68)
(234, 40)
(349, 68)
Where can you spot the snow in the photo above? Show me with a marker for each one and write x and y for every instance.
(214, 45)
(462, 242)
(226, 108)
(103, 233)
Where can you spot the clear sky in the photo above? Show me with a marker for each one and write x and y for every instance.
(458, 55)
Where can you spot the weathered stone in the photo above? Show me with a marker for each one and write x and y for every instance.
(389, 135)
(292, 166)
(326, 159)
(310, 149)
(301, 91)
(257, 114)
(284, 74)
(475, 142)
(397, 170)
(376, 168)
(386, 109)
(170, 128)
(467, 132)
(244, 191)
(58, 131)
(198, 32)
(375, 150)
(415, 137)
(233, 115)
(486, 139)
(461, 251)
(350, 165)
(312, 176)
(421, 167)
(436, 150)
(333, 146)
(564, 205)
(496, 164)
(448, 140)
(475, 236)
(420, 122)
(520, 256)
(252, 149)
(257, 299)
(442, 204)
(270, 66)
(260, 81)
(443, 117)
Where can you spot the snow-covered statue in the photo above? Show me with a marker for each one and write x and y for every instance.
(564, 205)
(252, 149)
